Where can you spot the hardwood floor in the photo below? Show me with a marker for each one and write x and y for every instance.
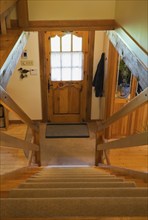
(13, 158)
(134, 158)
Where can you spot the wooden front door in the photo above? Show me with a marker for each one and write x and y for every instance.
(66, 57)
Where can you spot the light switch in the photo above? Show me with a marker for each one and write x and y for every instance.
(33, 72)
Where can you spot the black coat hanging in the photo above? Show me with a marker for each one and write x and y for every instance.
(99, 77)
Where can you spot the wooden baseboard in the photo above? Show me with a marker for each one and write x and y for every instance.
(21, 122)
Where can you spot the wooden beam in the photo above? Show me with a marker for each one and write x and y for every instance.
(130, 141)
(44, 80)
(3, 25)
(9, 141)
(11, 61)
(6, 5)
(125, 171)
(110, 84)
(22, 13)
(9, 104)
(129, 107)
(91, 40)
(71, 25)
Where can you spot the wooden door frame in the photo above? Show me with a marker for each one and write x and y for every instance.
(44, 75)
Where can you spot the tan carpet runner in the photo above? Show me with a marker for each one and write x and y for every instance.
(75, 192)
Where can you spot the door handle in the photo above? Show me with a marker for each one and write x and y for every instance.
(49, 86)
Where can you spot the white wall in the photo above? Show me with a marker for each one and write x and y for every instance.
(97, 105)
(26, 92)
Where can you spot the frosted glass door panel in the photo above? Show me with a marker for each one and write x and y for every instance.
(55, 44)
(77, 43)
(66, 43)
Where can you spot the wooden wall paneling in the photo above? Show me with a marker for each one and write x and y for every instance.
(141, 118)
(91, 40)
(119, 128)
(22, 13)
(110, 84)
(43, 75)
(129, 107)
(134, 83)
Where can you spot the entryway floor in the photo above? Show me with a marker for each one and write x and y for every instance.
(68, 151)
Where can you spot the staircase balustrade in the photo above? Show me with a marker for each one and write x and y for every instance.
(129, 141)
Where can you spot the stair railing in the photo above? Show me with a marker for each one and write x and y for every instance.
(5, 10)
(129, 141)
(7, 140)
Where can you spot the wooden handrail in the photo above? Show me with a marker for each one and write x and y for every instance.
(6, 5)
(9, 104)
(5, 10)
(129, 107)
(9, 141)
(130, 141)
(126, 171)
(10, 59)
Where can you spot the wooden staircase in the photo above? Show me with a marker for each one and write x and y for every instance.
(75, 193)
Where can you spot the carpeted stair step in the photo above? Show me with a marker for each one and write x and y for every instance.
(76, 184)
(72, 176)
(78, 192)
(75, 180)
(72, 171)
(73, 207)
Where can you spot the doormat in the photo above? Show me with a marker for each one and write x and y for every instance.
(73, 130)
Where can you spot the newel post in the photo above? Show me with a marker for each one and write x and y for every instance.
(99, 154)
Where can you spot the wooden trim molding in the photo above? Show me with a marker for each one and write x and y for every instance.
(91, 41)
(72, 25)
(22, 13)
(9, 141)
(130, 141)
(44, 81)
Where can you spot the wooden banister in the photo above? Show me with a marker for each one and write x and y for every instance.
(129, 107)
(130, 141)
(9, 141)
(5, 9)
(6, 5)
(126, 171)
(9, 62)
(9, 104)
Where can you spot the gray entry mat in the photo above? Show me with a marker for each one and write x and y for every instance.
(72, 130)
